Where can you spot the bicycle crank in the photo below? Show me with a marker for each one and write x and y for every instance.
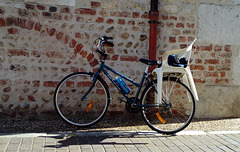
(133, 109)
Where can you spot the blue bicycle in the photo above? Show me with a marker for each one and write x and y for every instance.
(82, 98)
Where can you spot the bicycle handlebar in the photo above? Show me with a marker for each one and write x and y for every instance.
(104, 40)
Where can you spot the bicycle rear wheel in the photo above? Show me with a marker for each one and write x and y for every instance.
(73, 110)
(176, 114)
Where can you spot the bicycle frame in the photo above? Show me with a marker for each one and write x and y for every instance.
(103, 68)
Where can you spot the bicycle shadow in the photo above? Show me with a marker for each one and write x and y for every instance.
(89, 139)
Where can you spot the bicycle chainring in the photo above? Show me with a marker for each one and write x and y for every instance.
(133, 109)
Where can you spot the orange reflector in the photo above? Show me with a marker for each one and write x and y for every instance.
(160, 118)
(89, 106)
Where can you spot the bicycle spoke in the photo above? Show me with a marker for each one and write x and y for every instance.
(79, 112)
(176, 113)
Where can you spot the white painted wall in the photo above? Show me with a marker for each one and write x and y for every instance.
(219, 24)
(57, 2)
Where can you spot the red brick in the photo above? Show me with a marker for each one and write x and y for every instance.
(41, 7)
(74, 69)
(47, 14)
(110, 21)
(145, 15)
(135, 14)
(52, 31)
(3, 82)
(10, 21)
(170, 25)
(199, 80)
(180, 25)
(211, 68)
(78, 48)
(225, 55)
(115, 57)
(79, 35)
(207, 48)
(189, 25)
(94, 63)
(198, 61)
(213, 55)
(16, 52)
(183, 46)
(100, 20)
(211, 74)
(30, 25)
(211, 61)
(227, 48)
(83, 53)
(173, 18)
(190, 38)
(224, 68)
(223, 74)
(57, 16)
(68, 17)
(65, 10)
(54, 54)
(172, 40)
(36, 83)
(50, 83)
(66, 39)
(95, 4)
(197, 67)
(30, 6)
(182, 39)
(13, 31)
(132, 22)
(218, 48)
(222, 80)
(121, 21)
(72, 43)
(90, 57)
(38, 26)
(129, 58)
(85, 11)
(59, 36)
(23, 23)
(164, 17)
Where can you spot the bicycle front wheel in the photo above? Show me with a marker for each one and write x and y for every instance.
(176, 110)
(77, 111)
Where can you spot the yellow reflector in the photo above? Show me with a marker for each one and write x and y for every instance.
(89, 106)
(160, 118)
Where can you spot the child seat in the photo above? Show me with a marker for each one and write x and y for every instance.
(176, 61)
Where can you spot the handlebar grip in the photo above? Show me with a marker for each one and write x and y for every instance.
(107, 38)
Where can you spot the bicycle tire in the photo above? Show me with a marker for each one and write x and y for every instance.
(172, 119)
(73, 110)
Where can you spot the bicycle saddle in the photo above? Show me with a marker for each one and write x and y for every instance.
(150, 62)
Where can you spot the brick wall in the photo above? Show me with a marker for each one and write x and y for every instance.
(41, 43)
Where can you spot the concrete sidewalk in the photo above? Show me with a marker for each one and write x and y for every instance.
(112, 141)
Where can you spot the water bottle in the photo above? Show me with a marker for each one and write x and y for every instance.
(122, 85)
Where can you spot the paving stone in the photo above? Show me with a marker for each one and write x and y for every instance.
(120, 141)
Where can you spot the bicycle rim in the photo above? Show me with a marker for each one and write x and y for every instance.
(175, 117)
(79, 112)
